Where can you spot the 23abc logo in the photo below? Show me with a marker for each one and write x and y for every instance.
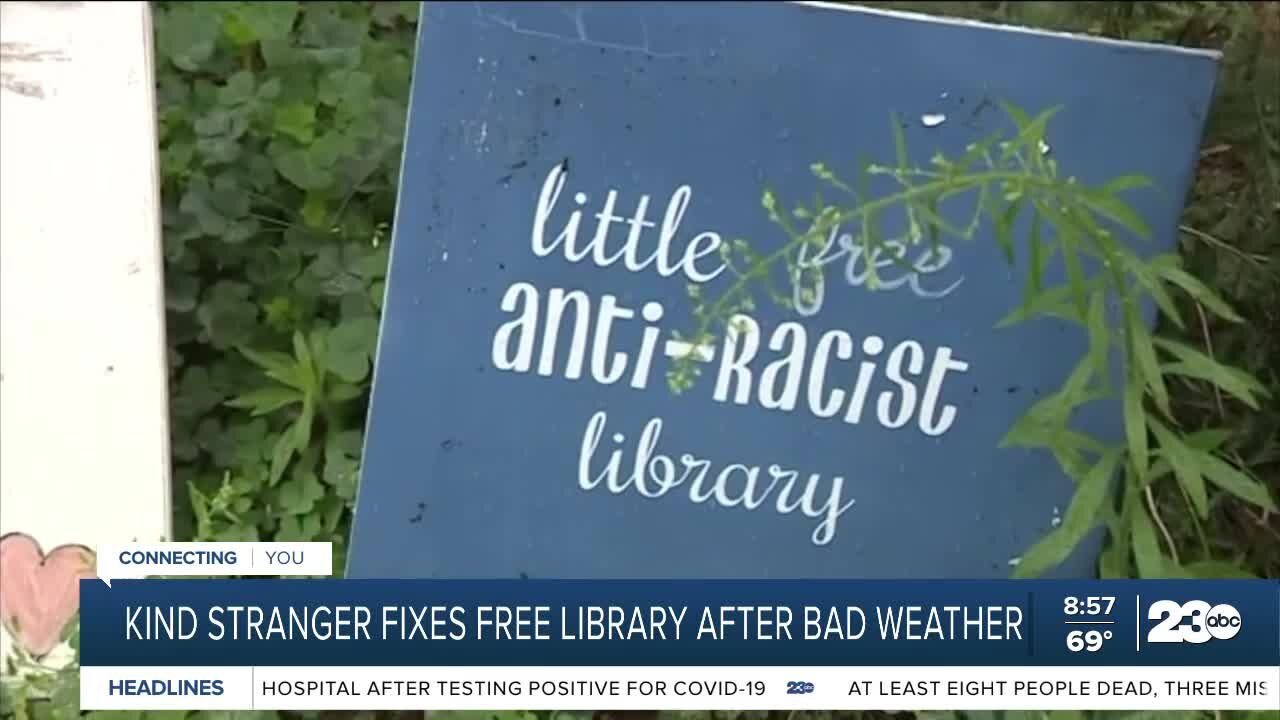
(1193, 622)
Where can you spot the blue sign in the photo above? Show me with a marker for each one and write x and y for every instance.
(571, 170)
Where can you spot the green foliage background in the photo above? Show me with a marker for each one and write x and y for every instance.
(281, 127)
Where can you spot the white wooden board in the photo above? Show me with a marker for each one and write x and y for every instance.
(84, 447)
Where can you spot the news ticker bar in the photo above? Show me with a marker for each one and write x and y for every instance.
(623, 623)
(679, 688)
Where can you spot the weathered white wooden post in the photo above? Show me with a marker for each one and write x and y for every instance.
(84, 447)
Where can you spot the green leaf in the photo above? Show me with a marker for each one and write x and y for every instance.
(219, 150)
(1036, 427)
(1039, 260)
(270, 360)
(1117, 210)
(186, 34)
(1044, 424)
(302, 426)
(1207, 440)
(1146, 549)
(270, 90)
(1054, 302)
(298, 528)
(303, 169)
(315, 212)
(1075, 273)
(1149, 282)
(1099, 333)
(1021, 120)
(1031, 131)
(1185, 468)
(215, 122)
(279, 367)
(346, 89)
(1114, 562)
(1125, 182)
(1168, 270)
(297, 120)
(351, 347)
(1231, 381)
(256, 21)
(933, 223)
(1144, 355)
(1235, 482)
(237, 31)
(1004, 228)
(197, 202)
(266, 400)
(1082, 514)
(1199, 365)
(308, 371)
(298, 495)
(342, 392)
(281, 454)
(1135, 428)
(341, 472)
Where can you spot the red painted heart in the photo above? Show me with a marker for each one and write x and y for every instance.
(39, 594)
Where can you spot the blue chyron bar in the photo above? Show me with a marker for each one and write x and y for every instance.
(570, 170)
(312, 644)
(672, 623)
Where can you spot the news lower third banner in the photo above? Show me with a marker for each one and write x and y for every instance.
(599, 645)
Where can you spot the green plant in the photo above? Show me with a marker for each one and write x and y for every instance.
(1230, 239)
(280, 131)
(1084, 226)
(30, 690)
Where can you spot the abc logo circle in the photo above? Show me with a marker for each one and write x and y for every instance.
(1223, 622)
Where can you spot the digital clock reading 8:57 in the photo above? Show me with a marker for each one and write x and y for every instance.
(1074, 606)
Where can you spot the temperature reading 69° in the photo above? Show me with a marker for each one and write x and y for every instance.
(1087, 640)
